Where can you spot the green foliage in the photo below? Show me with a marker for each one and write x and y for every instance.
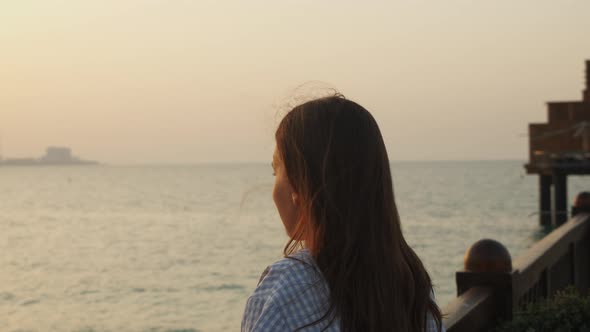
(567, 311)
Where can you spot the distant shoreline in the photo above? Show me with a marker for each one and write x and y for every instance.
(38, 163)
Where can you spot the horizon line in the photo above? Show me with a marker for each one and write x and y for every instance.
(238, 162)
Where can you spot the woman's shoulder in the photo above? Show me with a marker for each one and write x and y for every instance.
(298, 261)
(291, 293)
(288, 276)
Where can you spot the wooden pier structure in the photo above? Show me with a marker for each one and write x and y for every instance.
(557, 149)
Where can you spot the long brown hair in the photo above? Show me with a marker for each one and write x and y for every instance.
(336, 161)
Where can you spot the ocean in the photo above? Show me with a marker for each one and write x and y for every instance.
(180, 248)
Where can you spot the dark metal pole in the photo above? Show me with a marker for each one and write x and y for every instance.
(587, 91)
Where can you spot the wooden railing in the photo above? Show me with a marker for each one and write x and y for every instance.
(560, 259)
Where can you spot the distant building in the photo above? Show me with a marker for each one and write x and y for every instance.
(58, 155)
(565, 137)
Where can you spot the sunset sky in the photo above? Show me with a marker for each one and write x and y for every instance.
(178, 81)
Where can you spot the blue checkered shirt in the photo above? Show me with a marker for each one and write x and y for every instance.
(291, 294)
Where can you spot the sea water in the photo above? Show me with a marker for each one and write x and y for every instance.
(180, 248)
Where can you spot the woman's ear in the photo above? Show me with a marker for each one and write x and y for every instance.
(294, 198)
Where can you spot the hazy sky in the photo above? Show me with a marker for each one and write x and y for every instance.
(130, 81)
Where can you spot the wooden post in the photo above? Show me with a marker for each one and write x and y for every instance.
(488, 264)
(581, 249)
(545, 200)
(560, 198)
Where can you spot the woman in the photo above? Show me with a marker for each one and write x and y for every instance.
(347, 266)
